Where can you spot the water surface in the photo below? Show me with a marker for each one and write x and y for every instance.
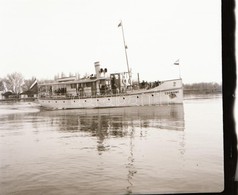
(152, 149)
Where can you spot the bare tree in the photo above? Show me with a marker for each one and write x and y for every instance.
(1, 85)
(14, 82)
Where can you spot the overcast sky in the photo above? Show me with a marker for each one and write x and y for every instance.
(44, 37)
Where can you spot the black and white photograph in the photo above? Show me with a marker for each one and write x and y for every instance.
(111, 97)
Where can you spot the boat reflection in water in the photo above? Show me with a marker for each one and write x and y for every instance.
(129, 123)
(106, 122)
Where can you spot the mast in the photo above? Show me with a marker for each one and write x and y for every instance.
(125, 47)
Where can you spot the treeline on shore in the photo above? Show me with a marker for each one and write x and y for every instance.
(16, 83)
(202, 88)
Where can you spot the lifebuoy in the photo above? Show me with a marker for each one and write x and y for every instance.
(123, 80)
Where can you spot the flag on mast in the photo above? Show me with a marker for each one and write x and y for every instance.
(177, 62)
(119, 24)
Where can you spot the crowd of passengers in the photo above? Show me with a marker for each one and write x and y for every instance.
(148, 85)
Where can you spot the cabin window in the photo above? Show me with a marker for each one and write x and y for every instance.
(42, 89)
(88, 84)
(73, 86)
(60, 91)
(102, 82)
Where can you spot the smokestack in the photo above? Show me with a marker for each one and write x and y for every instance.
(97, 69)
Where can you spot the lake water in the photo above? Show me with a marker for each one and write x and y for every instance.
(131, 150)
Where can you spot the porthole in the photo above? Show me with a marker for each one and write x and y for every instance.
(137, 96)
(85, 100)
(108, 99)
(63, 101)
(97, 99)
(123, 98)
(55, 101)
(74, 100)
(152, 95)
(49, 101)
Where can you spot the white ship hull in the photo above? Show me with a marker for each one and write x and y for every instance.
(169, 92)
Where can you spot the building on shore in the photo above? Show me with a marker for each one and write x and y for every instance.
(31, 93)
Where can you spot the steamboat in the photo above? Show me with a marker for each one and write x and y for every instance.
(108, 90)
(104, 89)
